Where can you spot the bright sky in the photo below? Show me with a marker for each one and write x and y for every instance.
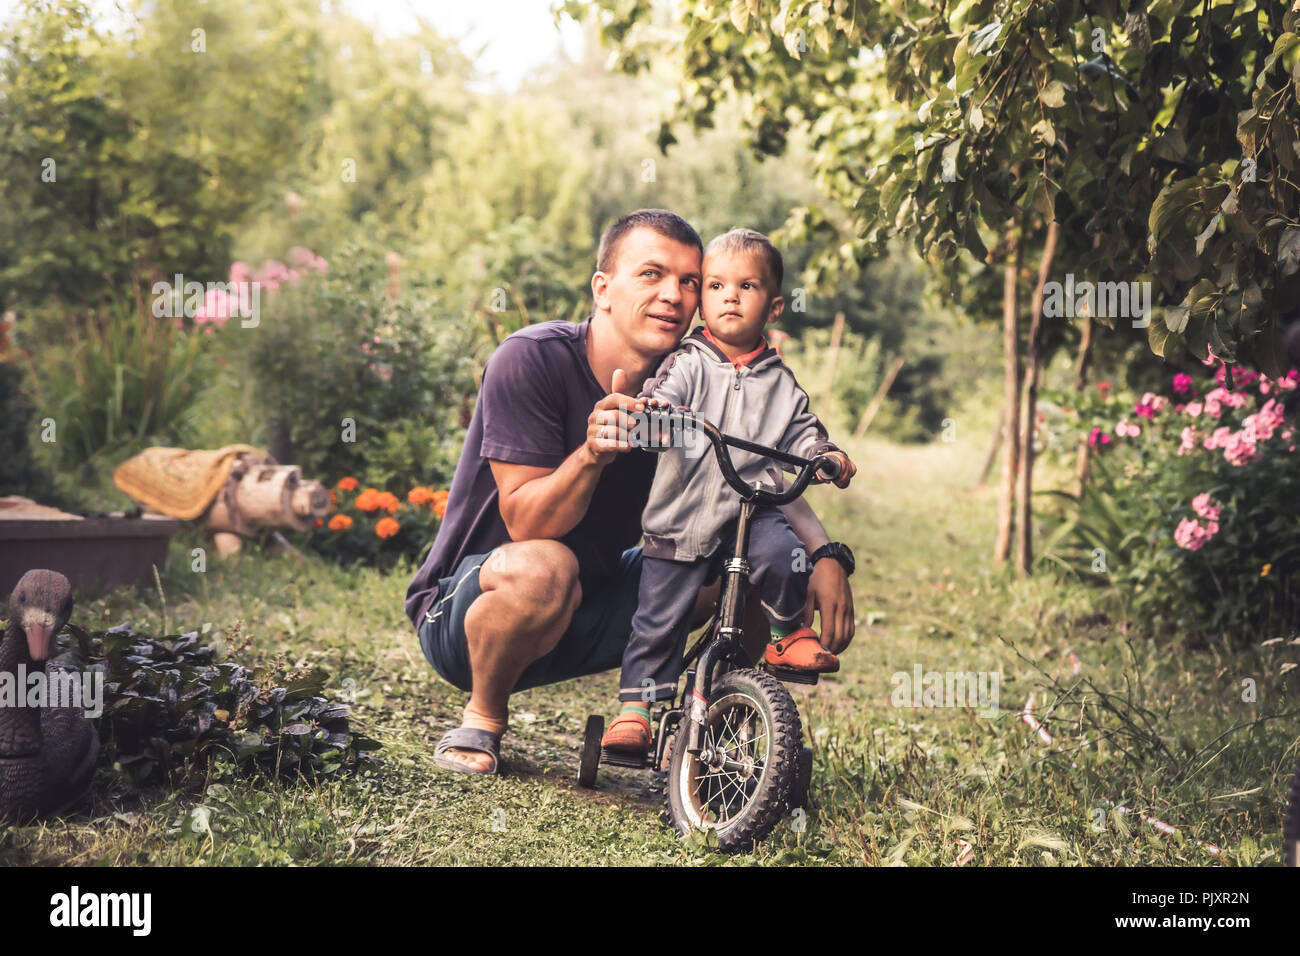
(515, 35)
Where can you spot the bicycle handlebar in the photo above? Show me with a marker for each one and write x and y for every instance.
(808, 467)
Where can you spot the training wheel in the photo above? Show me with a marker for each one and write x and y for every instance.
(590, 751)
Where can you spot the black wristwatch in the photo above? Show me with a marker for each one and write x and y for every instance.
(837, 550)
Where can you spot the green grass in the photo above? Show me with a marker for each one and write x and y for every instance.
(1168, 732)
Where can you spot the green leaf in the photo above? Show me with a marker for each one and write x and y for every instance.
(1053, 94)
(1288, 250)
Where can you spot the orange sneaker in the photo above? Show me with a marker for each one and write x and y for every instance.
(801, 651)
(629, 733)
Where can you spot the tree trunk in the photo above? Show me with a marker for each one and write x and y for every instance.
(279, 441)
(1010, 393)
(1029, 410)
(1081, 368)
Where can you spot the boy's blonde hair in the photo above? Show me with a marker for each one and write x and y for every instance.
(749, 241)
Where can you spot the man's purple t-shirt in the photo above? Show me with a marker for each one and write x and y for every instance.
(538, 391)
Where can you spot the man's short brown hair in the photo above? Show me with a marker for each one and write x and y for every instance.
(667, 224)
(747, 240)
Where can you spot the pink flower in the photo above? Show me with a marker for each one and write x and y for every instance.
(1126, 430)
(271, 273)
(320, 265)
(1190, 535)
(1190, 437)
(1149, 404)
(1098, 438)
(240, 272)
(301, 257)
(1194, 408)
(1240, 450)
(1206, 507)
(1219, 438)
(1214, 403)
(216, 309)
(1182, 383)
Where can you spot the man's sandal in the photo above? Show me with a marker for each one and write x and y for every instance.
(629, 733)
(468, 738)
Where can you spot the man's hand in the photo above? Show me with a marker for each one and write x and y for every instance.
(610, 422)
(847, 469)
(829, 593)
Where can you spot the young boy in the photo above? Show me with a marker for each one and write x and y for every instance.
(727, 374)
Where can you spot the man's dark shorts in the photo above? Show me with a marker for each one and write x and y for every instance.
(594, 642)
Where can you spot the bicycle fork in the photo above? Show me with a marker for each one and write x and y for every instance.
(730, 630)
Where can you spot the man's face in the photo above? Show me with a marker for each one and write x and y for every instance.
(652, 291)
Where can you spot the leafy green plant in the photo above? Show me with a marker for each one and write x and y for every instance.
(120, 378)
(172, 704)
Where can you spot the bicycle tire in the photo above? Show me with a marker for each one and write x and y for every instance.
(762, 805)
(589, 762)
(1291, 822)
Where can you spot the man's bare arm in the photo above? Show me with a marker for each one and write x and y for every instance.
(541, 502)
(546, 502)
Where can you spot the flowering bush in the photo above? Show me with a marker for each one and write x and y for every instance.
(353, 382)
(1190, 504)
(376, 527)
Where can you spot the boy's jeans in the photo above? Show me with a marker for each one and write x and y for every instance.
(653, 659)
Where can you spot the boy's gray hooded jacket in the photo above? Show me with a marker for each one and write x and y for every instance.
(690, 502)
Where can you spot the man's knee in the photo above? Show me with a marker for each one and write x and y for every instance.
(539, 577)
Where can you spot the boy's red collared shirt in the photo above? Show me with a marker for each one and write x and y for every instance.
(740, 360)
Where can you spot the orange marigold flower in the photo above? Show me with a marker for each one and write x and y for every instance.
(347, 484)
(419, 495)
(319, 522)
(387, 527)
(441, 495)
(334, 499)
(340, 523)
(440, 507)
(388, 501)
(368, 500)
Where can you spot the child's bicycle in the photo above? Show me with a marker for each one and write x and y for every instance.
(737, 761)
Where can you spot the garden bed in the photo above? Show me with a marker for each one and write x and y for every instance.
(95, 553)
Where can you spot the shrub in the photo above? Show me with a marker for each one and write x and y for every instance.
(1190, 503)
(360, 385)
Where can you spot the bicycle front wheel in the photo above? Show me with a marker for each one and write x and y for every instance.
(739, 782)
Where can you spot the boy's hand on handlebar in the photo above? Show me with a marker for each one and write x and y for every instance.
(847, 469)
(611, 422)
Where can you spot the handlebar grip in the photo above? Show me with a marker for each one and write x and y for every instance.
(829, 468)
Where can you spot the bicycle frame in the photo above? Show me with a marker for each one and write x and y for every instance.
(722, 640)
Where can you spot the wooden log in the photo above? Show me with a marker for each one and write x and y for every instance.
(261, 495)
(227, 543)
